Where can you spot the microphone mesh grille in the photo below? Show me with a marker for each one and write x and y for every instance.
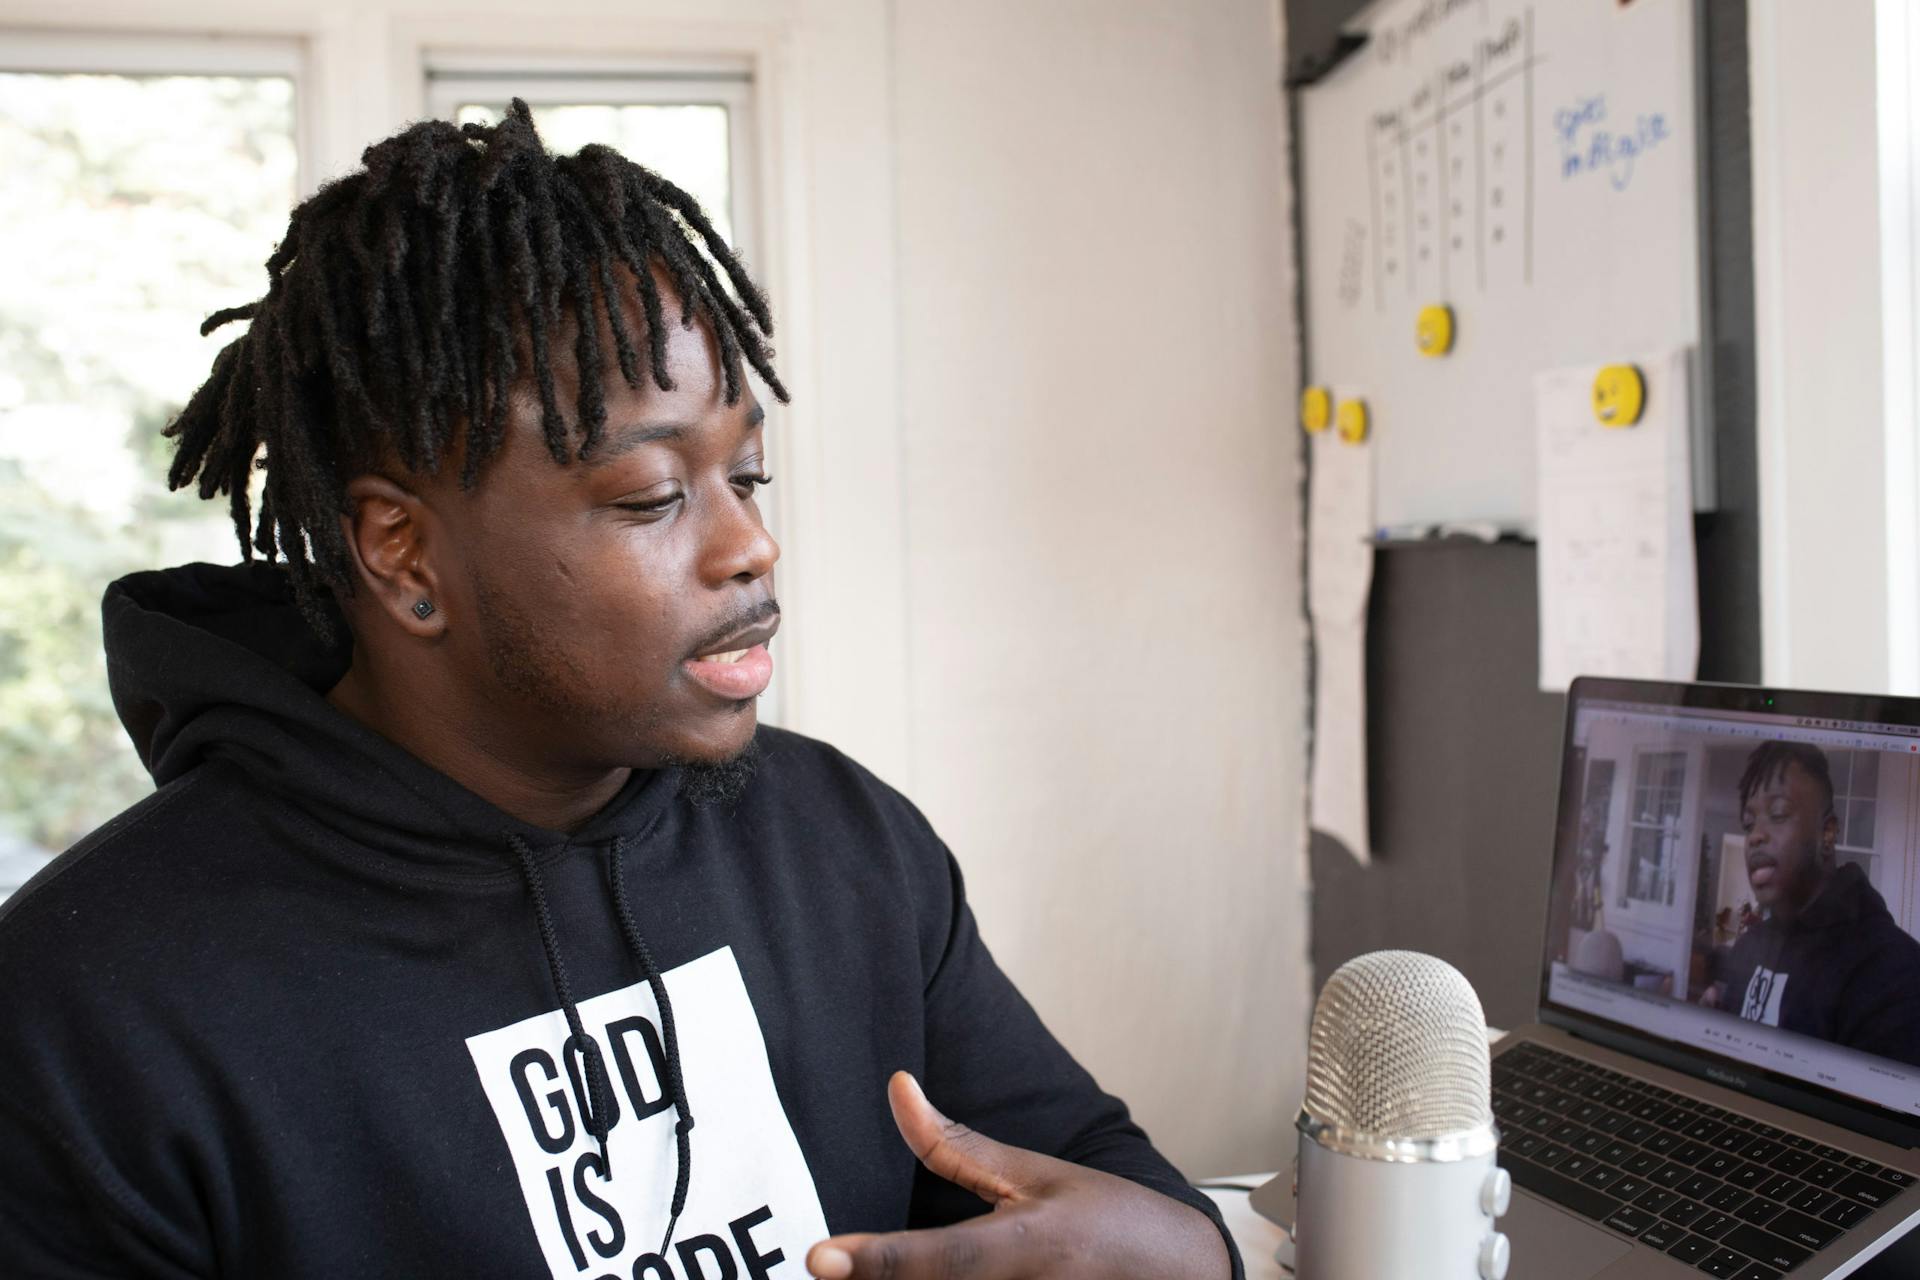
(1399, 1049)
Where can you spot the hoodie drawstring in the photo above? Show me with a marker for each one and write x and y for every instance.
(676, 1085)
(595, 1122)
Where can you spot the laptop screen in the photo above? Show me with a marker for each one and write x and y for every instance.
(1744, 882)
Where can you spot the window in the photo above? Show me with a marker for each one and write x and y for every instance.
(691, 124)
(1856, 793)
(146, 182)
(1653, 826)
(1856, 796)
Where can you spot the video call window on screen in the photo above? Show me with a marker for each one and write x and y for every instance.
(1746, 873)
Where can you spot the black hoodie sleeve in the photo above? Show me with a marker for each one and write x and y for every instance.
(61, 1222)
(993, 1065)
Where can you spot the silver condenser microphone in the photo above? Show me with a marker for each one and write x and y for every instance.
(1396, 1176)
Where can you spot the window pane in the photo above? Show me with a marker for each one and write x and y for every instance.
(684, 143)
(1646, 866)
(1858, 832)
(1866, 774)
(132, 207)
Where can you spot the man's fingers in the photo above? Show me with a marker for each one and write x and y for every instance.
(833, 1259)
(991, 1170)
(985, 1248)
(982, 1249)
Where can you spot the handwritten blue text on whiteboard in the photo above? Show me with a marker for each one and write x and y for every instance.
(1590, 143)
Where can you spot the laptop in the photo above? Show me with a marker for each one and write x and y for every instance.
(1724, 1074)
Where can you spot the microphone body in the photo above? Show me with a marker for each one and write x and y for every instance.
(1372, 1219)
(1397, 1177)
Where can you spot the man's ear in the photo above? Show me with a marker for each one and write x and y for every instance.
(387, 531)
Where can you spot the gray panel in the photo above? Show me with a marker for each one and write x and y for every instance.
(1315, 42)
(1463, 760)
(1729, 539)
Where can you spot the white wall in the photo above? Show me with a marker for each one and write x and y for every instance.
(1031, 272)
(1106, 672)
(1835, 358)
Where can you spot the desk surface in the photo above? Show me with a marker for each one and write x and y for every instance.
(1256, 1237)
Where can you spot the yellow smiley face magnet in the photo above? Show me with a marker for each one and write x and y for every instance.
(1316, 410)
(1433, 330)
(1352, 420)
(1619, 393)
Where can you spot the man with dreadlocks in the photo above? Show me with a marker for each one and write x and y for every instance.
(470, 881)
(1825, 957)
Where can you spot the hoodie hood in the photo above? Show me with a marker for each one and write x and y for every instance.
(1847, 901)
(209, 663)
(215, 663)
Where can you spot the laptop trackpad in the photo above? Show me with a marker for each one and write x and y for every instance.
(1551, 1244)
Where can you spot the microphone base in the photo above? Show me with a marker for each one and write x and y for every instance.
(1361, 1219)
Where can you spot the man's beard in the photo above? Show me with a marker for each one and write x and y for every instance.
(529, 661)
(707, 785)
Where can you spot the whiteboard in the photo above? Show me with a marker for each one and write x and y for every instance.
(1531, 165)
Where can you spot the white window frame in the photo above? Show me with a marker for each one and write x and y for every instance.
(116, 53)
(1897, 82)
(1669, 829)
(111, 52)
(547, 79)
(1844, 794)
(1866, 856)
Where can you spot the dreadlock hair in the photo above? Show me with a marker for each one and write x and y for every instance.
(394, 315)
(1770, 759)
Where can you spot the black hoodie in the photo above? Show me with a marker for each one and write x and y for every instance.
(306, 1010)
(1842, 971)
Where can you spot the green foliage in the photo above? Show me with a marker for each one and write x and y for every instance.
(133, 206)
(63, 757)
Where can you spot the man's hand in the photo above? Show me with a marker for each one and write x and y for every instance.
(1049, 1218)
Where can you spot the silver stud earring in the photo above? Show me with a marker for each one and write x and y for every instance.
(423, 609)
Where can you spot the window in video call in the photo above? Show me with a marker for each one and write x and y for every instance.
(1748, 885)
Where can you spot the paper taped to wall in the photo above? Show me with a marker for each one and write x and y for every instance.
(1339, 581)
(1616, 562)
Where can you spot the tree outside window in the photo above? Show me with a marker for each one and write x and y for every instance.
(133, 206)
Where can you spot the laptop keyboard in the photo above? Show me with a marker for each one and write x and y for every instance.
(1724, 1193)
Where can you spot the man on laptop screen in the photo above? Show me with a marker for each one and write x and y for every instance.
(1745, 882)
(1824, 957)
